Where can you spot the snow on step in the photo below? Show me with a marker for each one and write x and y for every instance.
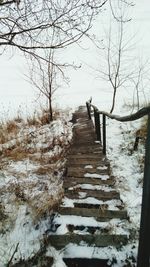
(98, 257)
(112, 204)
(88, 167)
(92, 187)
(98, 176)
(98, 194)
(80, 171)
(98, 168)
(102, 167)
(66, 224)
(103, 240)
(86, 156)
(99, 214)
(73, 181)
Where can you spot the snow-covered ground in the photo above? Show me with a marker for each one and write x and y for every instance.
(31, 170)
(27, 183)
(29, 187)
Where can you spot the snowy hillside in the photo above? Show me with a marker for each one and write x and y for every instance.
(32, 165)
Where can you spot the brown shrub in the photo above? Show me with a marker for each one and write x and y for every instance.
(44, 118)
(18, 119)
(16, 154)
(11, 127)
(33, 121)
(42, 170)
(3, 137)
(142, 132)
(19, 192)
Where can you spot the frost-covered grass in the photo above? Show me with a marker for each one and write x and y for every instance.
(32, 154)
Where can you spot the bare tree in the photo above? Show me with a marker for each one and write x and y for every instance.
(119, 68)
(46, 76)
(139, 82)
(29, 24)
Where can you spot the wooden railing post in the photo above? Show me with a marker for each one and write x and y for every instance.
(88, 110)
(97, 125)
(104, 134)
(143, 259)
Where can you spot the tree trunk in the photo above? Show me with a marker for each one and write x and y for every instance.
(50, 109)
(113, 101)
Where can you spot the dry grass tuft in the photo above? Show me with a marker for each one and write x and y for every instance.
(11, 127)
(3, 137)
(18, 119)
(19, 192)
(44, 118)
(56, 114)
(46, 204)
(7, 130)
(16, 154)
(33, 121)
(2, 213)
(43, 170)
(142, 132)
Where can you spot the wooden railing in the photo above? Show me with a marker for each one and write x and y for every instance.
(143, 259)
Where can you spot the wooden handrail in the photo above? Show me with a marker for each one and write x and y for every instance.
(135, 116)
(143, 258)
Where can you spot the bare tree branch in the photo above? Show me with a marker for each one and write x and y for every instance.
(28, 24)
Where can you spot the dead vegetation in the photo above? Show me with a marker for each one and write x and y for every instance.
(2, 212)
(142, 132)
(34, 151)
(8, 130)
(32, 164)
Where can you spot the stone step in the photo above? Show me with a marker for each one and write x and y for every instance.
(102, 240)
(71, 181)
(83, 133)
(93, 147)
(98, 194)
(83, 128)
(88, 140)
(86, 156)
(84, 162)
(84, 142)
(86, 149)
(80, 114)
(118, 205)
(99, 214)
(80, 172)
(86, 229)
(81, 262)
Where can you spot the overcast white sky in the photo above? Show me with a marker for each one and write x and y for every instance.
(15, 91)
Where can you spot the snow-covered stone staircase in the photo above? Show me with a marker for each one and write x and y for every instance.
(90, 224)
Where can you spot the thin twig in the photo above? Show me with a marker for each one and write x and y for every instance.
(16, 248)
